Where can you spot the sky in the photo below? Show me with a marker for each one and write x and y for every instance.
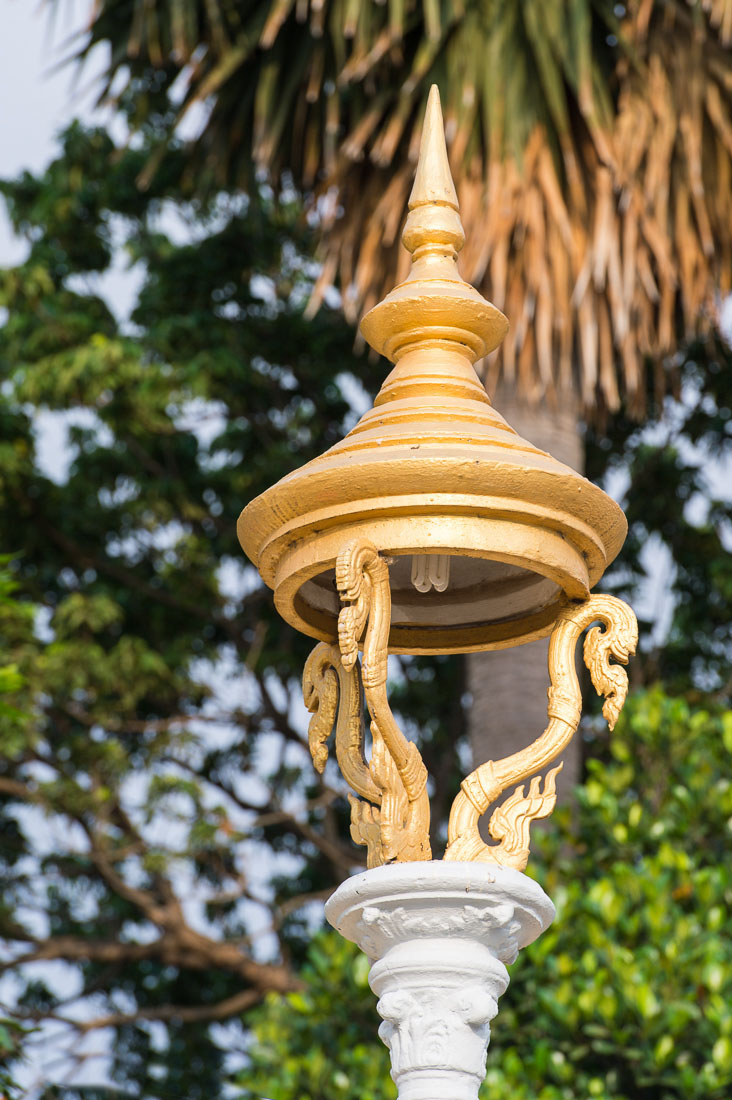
(39, 95)
(36, 102)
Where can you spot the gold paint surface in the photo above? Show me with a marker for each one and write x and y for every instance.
(510, 823)
(432, 468)
(392, 818)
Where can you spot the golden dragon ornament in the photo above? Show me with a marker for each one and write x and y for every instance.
(432, 468)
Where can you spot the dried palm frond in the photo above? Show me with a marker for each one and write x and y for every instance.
(592, 155)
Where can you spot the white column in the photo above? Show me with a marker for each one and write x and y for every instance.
(440, 936)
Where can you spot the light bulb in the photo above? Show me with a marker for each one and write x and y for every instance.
(430, 571)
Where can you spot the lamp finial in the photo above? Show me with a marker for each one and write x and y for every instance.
(433, 225)
(430, 472)
(434, 304)
(433, 181)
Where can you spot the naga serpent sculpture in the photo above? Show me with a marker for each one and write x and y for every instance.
(392, 816)
(332, 694)
(510, 822)
(394, 821)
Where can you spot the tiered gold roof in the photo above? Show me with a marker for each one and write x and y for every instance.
(432, 468)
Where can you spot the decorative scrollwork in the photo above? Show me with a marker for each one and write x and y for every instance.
(391, 818)
(362, 580)
(510, 823)
(320, 692)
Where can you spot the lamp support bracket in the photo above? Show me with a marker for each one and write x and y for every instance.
(392, 817)
(511, 821)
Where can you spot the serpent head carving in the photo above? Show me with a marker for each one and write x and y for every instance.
(320, 692)
(618, 640)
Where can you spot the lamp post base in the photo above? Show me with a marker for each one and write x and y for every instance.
(440, 936)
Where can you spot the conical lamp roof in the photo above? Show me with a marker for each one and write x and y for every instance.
(433, 469)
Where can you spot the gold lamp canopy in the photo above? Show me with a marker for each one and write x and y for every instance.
(434, 528)
(485, 535)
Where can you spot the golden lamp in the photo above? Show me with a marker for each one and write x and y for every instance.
(432, 528)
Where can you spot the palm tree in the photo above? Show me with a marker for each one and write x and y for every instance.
(591, 146)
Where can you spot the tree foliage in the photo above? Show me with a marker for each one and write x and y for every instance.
(162, 830)
(150, 805)
(676, 472)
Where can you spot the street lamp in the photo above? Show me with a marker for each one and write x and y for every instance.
(434, 528)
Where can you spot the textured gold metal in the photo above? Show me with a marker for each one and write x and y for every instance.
(333, 696)
(510, 823)
(433, 469)
(393, 821)
(362, 577)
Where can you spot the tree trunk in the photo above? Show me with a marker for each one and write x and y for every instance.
(509, 686)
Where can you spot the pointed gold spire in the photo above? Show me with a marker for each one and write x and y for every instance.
(434, 306)
(433, 181)
(433, 225)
